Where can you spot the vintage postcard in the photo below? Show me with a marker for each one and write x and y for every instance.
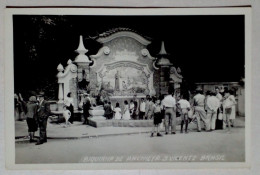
(127, 88)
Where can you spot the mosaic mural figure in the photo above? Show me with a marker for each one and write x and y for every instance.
(117, 79)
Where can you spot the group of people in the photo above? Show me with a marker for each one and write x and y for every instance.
(213, 108)
(37, 111)
(210, 108)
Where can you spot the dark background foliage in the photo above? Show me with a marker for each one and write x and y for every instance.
(206, 48)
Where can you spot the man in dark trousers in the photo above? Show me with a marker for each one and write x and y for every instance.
(86, 107)
(43, 113)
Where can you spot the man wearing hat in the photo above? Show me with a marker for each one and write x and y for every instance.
(86, 107)
(43, 113)
(199, 107)
(169, 104)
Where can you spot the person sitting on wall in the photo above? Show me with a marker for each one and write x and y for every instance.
(99, 100)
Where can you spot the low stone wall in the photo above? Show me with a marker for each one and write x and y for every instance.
(99, 122)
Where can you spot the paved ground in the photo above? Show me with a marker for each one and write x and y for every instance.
(77, 130)
(205, 146)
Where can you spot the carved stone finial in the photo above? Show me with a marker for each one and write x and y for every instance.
(163, 51)
(163, 60)
(82, 58)
(81, 49)
(69, 62)
(60, 68)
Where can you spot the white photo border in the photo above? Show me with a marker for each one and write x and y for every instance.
(9, 86)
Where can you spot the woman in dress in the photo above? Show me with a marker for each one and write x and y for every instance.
(229, 107)
(69, 104)
(132, 106)
(117, 111)
(233, 111)
(31, 117)
(126, 113)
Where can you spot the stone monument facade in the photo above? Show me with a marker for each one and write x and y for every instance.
(122, 68)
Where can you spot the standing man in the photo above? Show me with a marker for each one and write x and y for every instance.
(147, 103)
(86, 107)
(219, 123)
(169, 104)
(43, 113)
(213, 105)
(218, 95)
(136, 104)
(199, 107)
(142, 109)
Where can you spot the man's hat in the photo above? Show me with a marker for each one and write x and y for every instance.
(41, 94)
(198, 89)
(32, 99)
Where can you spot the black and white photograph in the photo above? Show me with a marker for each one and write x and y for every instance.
(128, 86)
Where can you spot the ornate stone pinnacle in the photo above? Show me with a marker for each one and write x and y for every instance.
(81, 49)
(69, 62)
(163, 51)
(82, 58)
(60, 68)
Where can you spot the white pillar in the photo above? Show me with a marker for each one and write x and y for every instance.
(60, 97)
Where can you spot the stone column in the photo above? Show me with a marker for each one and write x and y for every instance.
(61, 93)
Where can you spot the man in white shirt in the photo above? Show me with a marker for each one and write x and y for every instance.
(147, 103)
(218, 95)
(184, 106)
(169, 103)
(219, 112)
(199, 105)
(142, 109)
(213, 105)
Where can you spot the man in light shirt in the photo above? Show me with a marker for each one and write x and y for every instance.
(219, 112)
(147, 103)
(218, 95)
(199, 105)
(213, 105)
(184, 106)
(169, 104)
(142, 109)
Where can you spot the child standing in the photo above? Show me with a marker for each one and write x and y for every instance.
(117, 111)
(66, 115)
(184, 107)
(126, 113)
(157, 117)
